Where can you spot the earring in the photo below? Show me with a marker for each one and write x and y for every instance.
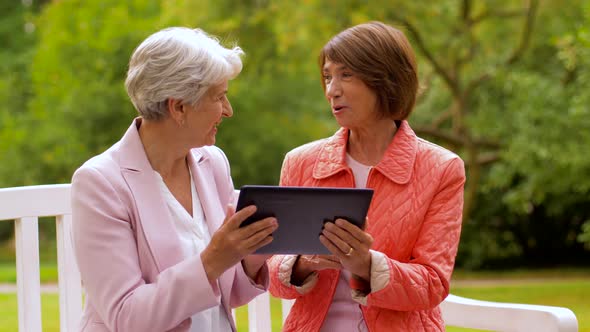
(181, 123)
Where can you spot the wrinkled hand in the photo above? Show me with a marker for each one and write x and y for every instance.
(230, 243)
(350, 245)
(307, 264)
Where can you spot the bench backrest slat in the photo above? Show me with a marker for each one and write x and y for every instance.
(35, 201)
(27, 274)
(70, 285)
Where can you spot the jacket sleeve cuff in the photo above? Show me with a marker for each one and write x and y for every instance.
(379, 277)
(262, 279)
(285, 270)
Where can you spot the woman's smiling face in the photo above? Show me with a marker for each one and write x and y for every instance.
(202, 119)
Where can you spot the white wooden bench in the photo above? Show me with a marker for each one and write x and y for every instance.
(25, 204)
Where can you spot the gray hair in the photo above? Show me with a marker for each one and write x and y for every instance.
(178, 63)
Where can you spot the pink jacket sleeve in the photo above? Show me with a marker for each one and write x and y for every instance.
(423, 282)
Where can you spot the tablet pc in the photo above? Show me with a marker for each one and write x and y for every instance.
(301, 213)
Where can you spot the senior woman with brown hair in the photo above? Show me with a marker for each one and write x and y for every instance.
(392, 275)
(155, 247)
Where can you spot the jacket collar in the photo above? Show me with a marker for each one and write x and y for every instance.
(156, 222)
(396, 164)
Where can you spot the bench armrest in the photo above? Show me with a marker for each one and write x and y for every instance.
(499, 316)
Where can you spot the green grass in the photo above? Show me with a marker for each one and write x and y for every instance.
(275, 313)
(567, 288)
(47, 271)
(571, 294)
(9, 313)
(555, 273)
(50, 314)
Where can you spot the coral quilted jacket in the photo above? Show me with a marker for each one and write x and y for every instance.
(414, 218)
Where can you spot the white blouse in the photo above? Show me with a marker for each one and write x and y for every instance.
(194, 237)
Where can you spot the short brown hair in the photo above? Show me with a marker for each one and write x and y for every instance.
(384, 60)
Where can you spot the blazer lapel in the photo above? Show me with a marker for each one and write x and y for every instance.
(204, 180)
(154, 218)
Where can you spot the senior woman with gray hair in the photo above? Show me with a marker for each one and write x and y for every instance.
(157, 241)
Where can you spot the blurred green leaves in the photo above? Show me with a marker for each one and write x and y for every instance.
(522, 125)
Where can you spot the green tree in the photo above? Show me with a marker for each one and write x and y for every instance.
(505, 86)
(499, 91)
(18, 37)
(18, 40)
(79, 106)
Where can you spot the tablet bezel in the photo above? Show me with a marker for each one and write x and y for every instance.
(301, 213)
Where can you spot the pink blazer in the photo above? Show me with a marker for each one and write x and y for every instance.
(127, 248)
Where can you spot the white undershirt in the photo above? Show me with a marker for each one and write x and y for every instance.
(360, 172)
(194, 236)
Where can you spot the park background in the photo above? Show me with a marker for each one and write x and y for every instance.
(505, 84)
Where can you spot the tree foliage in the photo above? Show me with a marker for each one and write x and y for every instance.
(504, 85)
